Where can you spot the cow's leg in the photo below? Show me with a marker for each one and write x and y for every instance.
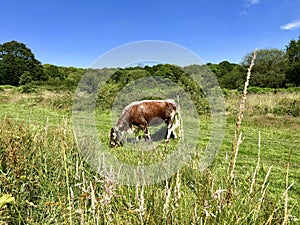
(175, 125)
(144, 128)
(136, 133)
(169, 132)
(147, 134)
(173, 133)
(171, 127)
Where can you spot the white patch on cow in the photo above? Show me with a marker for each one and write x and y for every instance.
(172, 101)
(133, 129)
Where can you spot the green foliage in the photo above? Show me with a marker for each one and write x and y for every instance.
(26, 78)
(293, 70)
(119, 79)
(221, 69)
(15, 60)
(288, 106)
(235, 78)
(273, 68)
(5, 199)
(292, 73)
(125, 76)
(67, 79)
(27, 88)
(293, 50)
(259, 90)
(269, 68)
(52, 72)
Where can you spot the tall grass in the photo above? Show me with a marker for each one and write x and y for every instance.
(237, 135)
(44, 179)
(43, 170)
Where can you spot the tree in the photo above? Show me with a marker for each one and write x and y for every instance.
(293, 55)
(15, 60)
(51, 71)
(235, 78)
(222, 68)
(25, 78)
(269, 69)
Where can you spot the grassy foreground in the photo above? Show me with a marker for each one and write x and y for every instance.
(44, 179)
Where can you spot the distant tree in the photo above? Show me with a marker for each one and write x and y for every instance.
(222, 68)
(293, 69)
(235, 78)
(269, 69)
(25, 78)
(15, 60)
(51, 71)
(169, 71)
(127, 75)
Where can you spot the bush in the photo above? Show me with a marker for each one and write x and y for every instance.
(27, 88)
(288, 106)
(259, 90)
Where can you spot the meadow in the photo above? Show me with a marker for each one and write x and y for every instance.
(44, 178)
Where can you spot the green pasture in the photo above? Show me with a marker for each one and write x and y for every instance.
(44, 177)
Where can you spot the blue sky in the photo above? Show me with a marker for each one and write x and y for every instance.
(76, 33)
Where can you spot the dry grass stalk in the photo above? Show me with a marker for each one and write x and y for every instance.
(271, 217)
(285, 195)
(77, 176)
(287, 187)
(109, 192)
(240, 117)
(235, 156)
(266, 179)
(177, 193)
(257, 165)
(168, 196)
(141, 203)
(93, 199)
(263, 193)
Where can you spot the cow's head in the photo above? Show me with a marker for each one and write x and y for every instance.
(115, 138)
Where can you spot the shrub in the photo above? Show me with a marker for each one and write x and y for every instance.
(288, 106)
(27, 88)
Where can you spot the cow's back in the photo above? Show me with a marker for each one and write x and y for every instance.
(149, 110)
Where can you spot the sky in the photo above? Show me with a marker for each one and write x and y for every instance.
(76, 33)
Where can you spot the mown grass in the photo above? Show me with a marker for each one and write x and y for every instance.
(42, 168)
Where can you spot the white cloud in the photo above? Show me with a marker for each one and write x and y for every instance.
(242, 13)
(291, 26)
(248, 4)
(252, 2)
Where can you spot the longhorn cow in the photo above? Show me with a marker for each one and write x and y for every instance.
(139, 115)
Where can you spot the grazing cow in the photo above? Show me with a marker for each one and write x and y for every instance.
(139, 115)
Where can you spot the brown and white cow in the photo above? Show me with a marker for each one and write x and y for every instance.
(139, 115)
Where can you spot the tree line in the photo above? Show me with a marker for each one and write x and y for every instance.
(273, 68)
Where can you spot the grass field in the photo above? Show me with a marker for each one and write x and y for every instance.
(43, 176)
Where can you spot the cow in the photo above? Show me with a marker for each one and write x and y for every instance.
(139, 115)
